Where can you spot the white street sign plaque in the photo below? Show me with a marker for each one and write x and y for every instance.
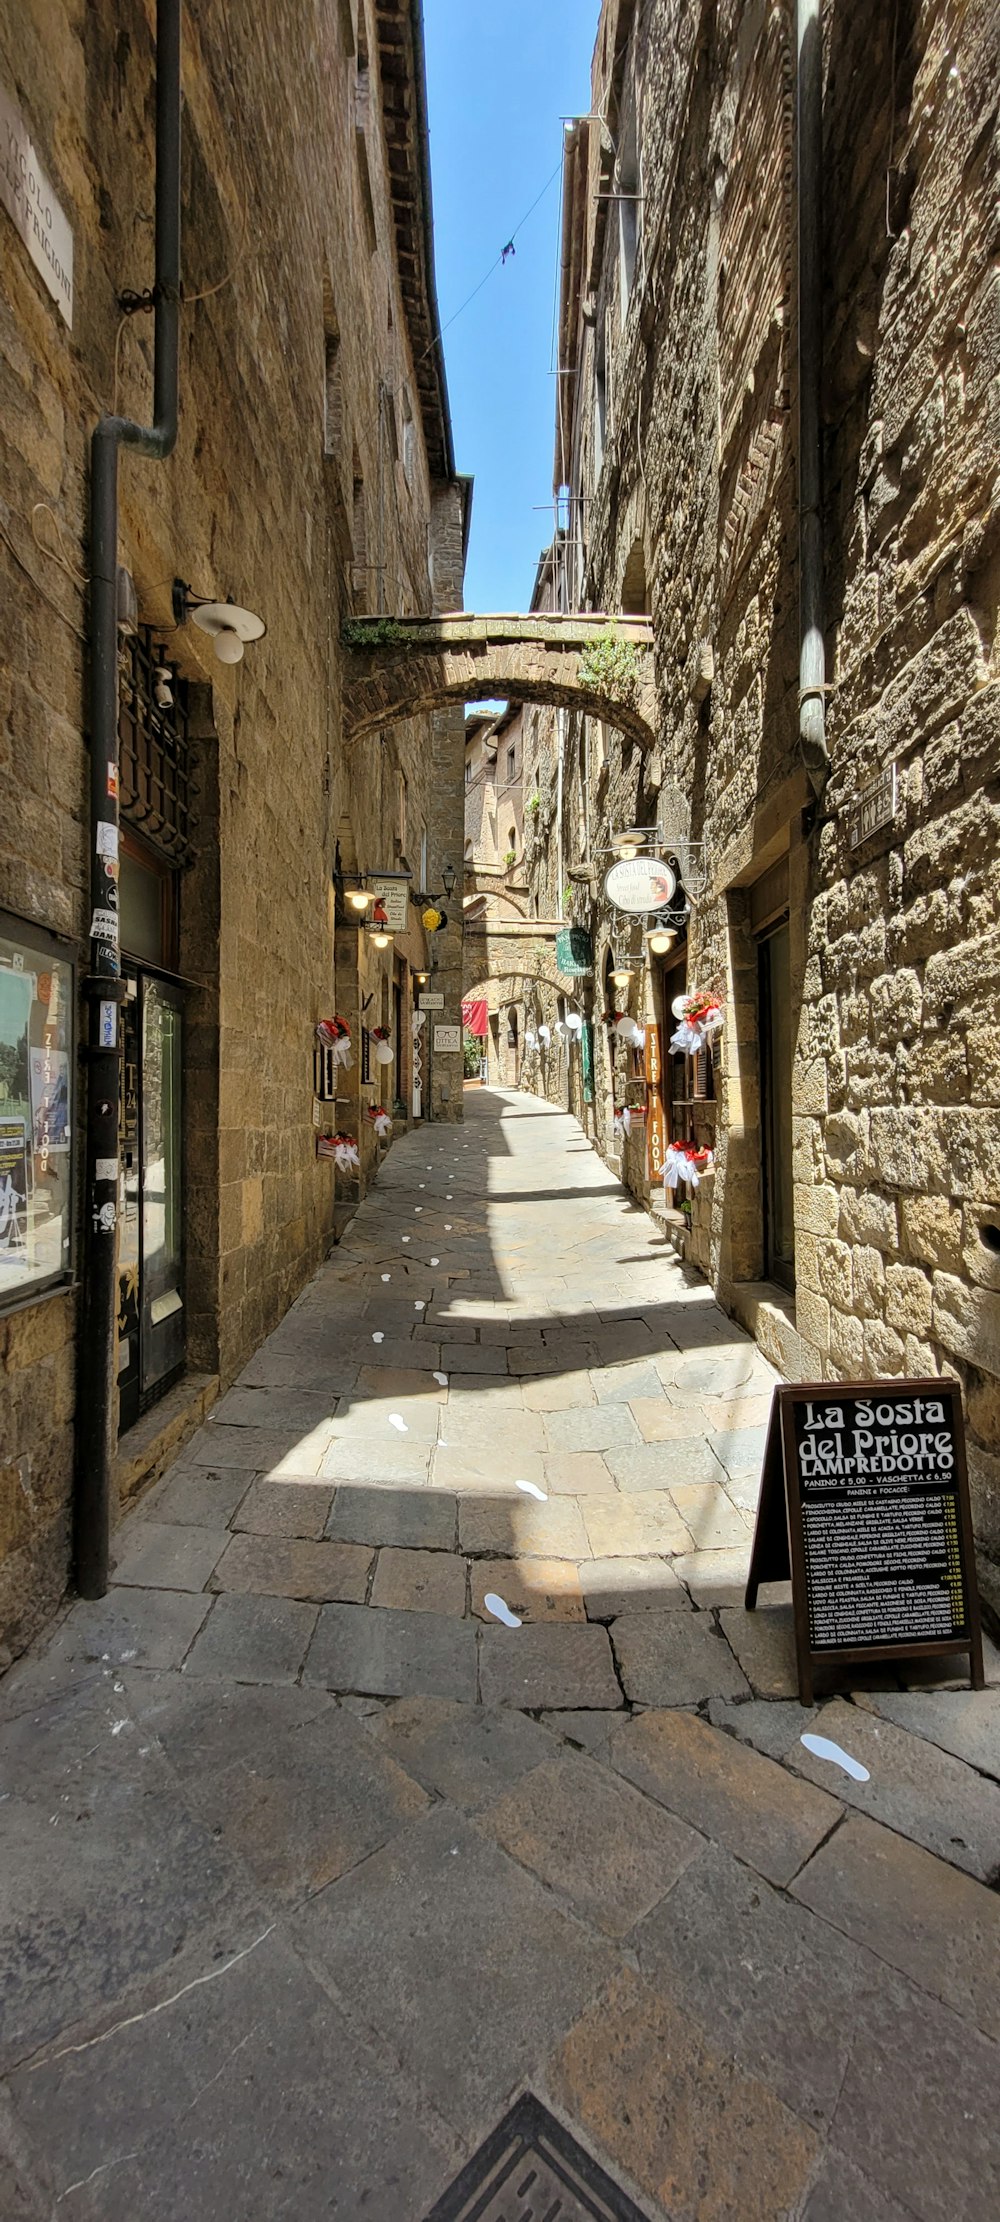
(32, 206)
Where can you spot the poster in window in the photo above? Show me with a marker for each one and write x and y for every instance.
(36, 1080)
(49, 1099)
(14, 1178)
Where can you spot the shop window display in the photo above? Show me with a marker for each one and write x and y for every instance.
(36, 1112)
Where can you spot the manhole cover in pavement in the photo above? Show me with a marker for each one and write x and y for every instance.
(530, 2170)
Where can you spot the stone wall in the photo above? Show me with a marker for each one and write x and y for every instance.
(306, 484)
(680, 465)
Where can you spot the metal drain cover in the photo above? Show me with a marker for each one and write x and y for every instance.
(531, 2170)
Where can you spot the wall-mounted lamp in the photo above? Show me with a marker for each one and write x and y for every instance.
(622, 975)
(449, 877)
(380, 940)
(163, 693)
(422, 979)
(662, 940)
(228, 626)
(359, 898)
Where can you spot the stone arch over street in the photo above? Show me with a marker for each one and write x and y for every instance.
(496, 952)
(400, 667)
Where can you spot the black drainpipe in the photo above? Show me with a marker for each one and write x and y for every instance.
(104, 987)
(809, 150)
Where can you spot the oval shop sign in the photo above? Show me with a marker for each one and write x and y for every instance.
(640, 883)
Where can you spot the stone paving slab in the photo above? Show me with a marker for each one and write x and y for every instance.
(392, 1459)
(88, 1911)
(595, 1427)
(253, 1639)
(674, 1658)
(291, 1508)
(691, 2127)
(604, 1847)
(612, 1586)
(582, 1473)
(931, 1922)
(840, 2189)
(142, 1627)
(385, 1653)
(420, 1581)
(421, 1519)
(291, 1566)
(536, 1589)
(743, 1801)
(213, 2106)
(289, 1784)
(764, 1643)
(545, 1668)
(770, 1728)
(712, 1521)
(964, 1722)
(468, 1469)
(444, 1909)
(645, 1526)
(156, 1554)
(562, 1392)
(934, 2147)
(782, 1992)
(720, 1578)
(499, 1527)
(197, 1496)
(299, 1410)
(287, 1450)
(467, 1753)
(922, 1792)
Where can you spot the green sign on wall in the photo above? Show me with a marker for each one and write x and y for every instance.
(574, 952)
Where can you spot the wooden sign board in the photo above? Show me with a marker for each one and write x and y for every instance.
(655, 1135)
(864, 1502)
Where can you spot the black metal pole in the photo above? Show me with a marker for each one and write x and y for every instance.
(809, 168)
(104, 987)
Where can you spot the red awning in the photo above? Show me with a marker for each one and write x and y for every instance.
(475, 1015)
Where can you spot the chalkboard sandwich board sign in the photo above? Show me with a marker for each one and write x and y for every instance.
(864, 1501)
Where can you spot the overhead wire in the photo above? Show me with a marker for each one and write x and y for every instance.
(497, 264)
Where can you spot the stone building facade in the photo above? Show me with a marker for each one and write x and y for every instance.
(312, 480)
(847, 914)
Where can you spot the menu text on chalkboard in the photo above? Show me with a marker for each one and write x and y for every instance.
(864, 1501)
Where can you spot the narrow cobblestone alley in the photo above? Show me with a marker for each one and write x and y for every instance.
(316, 1865)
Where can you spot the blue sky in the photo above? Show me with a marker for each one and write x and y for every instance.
(500, 73)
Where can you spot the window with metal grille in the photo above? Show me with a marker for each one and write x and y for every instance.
(156, 788)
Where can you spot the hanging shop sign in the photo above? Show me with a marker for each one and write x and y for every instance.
(639, 884)
(654, 1060)
(447, 1038)
(574, 953)
(31, 204)
(865, 1503)
(874, 807)
(431, 1002)
(394, 897)
(655, 1135)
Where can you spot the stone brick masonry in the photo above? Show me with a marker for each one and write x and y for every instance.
(311, 480)
(680, 464)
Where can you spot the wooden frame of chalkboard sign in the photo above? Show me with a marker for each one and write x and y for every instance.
(864, 1501)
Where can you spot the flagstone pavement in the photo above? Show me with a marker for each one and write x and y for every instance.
(309, 1864)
